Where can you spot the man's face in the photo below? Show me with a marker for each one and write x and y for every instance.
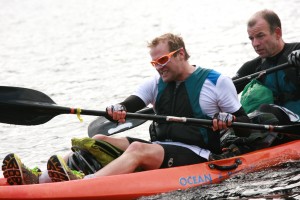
(265, 43)
(170, 71)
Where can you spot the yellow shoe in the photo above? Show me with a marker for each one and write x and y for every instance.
(59, 171)
(17, 173)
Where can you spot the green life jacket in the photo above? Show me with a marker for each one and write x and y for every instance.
(182, 99)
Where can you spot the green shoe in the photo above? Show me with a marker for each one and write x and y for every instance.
(59, 171)
(17, 173)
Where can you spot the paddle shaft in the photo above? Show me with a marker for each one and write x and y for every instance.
(267, 71)
(202, 122)
(56, 110)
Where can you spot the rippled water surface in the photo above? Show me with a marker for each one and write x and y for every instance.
(92, 53)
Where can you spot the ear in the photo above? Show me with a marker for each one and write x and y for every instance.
(182, 53)
(278, 33)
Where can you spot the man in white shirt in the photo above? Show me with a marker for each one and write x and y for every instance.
(179, 89)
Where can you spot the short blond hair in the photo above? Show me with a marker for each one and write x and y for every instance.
(174, 41)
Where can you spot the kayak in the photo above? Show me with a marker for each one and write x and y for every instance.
(135, 185)
(22, 106)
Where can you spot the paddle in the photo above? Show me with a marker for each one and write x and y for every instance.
(106, 127)
(267, 71)
(24, 106)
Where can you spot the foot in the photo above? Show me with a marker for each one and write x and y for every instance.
(17, 173)
(59, 171)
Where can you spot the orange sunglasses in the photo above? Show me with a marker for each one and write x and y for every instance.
(165, 59)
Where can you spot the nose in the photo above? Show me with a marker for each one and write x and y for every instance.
(159, 67)
(255, 43)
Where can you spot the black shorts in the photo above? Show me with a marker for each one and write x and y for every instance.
(175, 155)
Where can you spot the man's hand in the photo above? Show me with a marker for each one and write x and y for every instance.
(116, 112)
(222, 121)
(294, 58)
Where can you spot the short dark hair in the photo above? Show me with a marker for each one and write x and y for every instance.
(270, 16)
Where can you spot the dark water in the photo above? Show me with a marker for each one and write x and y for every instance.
(92, 53)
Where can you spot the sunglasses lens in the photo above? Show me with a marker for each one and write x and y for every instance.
(163, 60)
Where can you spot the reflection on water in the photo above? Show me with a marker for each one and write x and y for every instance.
(90, 54)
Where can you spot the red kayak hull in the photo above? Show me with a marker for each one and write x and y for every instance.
(131, 186)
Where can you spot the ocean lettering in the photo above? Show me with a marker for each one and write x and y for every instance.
(195, 180)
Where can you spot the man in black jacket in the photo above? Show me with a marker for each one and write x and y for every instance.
(265, 32)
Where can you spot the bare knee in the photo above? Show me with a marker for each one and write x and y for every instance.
(136, 148)
(147, 156)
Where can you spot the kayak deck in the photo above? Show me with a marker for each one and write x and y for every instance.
(131, 186)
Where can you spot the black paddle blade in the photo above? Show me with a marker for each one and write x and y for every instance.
(101, 125)
(17, 106)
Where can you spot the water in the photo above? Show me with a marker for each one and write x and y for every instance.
(91, 54)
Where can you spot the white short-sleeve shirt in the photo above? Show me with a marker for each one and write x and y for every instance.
(215, 96)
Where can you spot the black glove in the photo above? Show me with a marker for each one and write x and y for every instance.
(294, 58)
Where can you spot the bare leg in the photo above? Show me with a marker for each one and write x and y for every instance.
(59, 171)
(147, 156)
